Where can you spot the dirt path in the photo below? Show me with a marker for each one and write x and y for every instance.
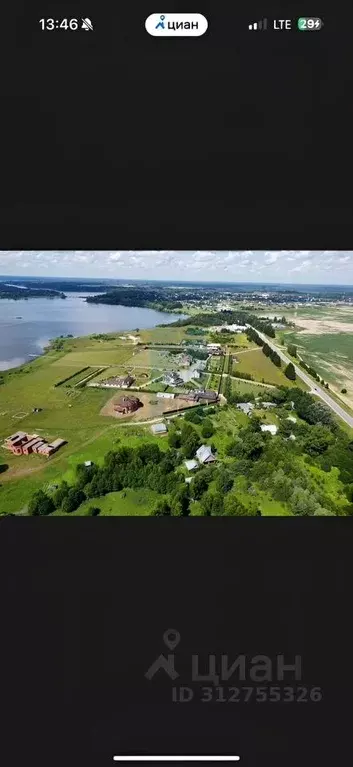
(245, 380)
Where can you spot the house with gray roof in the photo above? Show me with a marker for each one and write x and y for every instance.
(159, 428)
(204, 455)
(191, 465)
(246, 407)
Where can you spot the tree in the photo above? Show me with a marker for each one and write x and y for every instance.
(212, 503)
(84, 475)
(180, 500)
(285, 428)
(200, 483)
(40, 504)
(93, 511)
(290, 371)
(60, 494)
(343, 391)
(317, 440)
(292, 350)
(275, 358)
(191, 444)
(207, 428)
(73, 500)
(233, 507)
(174, 439)
(161, 509)
(193, 415)
(224, 480)
(252, 445)
(149, 453)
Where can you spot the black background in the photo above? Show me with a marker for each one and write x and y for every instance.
(84, 613)
(113, 139)
(234, 139)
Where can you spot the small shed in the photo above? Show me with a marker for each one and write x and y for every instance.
(159, 428)
(191, 465)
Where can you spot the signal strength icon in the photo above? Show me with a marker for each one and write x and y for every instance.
(258, 25)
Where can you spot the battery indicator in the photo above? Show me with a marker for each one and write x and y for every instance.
(309, 24)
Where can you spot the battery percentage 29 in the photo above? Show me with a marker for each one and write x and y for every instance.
(306, 24)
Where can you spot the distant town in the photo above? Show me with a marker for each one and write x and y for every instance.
(238, 403)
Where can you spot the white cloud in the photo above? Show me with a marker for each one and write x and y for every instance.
(277, 266)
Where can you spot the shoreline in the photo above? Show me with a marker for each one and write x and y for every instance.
(48, 347)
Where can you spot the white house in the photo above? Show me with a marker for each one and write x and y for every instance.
(205, 455)
(291, 418)
(245, 407)
(165, 395)
(269, 427)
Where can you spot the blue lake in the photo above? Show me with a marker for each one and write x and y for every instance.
(26, 326)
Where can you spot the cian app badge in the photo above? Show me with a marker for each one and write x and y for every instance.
(176, 24)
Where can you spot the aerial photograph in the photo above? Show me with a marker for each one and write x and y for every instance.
(176, 383)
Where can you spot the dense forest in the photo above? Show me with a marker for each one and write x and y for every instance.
(228, 317)
(152, 298)
(10, 291)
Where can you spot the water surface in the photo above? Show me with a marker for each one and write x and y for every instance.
(44, 318)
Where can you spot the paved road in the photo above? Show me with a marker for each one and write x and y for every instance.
(316, 388)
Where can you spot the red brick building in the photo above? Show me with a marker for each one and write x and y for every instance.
(22, 443)
(127, 405)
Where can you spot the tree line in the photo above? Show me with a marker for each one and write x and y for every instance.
(226, 317)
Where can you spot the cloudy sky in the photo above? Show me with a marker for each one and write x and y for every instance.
(292, 266)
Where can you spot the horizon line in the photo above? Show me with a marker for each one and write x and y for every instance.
(195, 281)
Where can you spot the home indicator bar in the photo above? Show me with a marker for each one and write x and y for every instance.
(136, 759)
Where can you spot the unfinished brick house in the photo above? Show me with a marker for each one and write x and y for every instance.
(127, 405)
(22, 443)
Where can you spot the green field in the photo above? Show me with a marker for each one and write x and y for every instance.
(153, 358)
(74, 414)
(71, 414)
(15, 491)
(126, 503)
(215, 364)
(331, 354)
(260, 367)
(247, 387)
(167, 335)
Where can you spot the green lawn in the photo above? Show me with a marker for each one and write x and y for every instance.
(126, 503)
(14, 493)
(97, 356)
(246, 387)
(270, 508)
(260, 367)
(165, 335)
